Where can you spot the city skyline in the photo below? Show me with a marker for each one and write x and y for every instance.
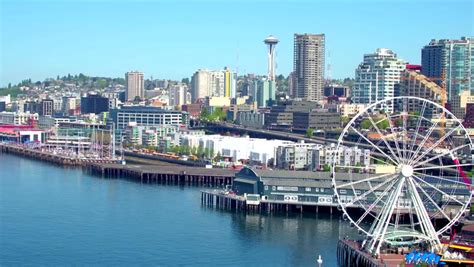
(173, 40)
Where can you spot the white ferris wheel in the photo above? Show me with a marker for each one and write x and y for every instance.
(415, 188)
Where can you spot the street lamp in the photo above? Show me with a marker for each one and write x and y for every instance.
(320, 261)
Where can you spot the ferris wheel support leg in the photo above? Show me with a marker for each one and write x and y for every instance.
(393, 205)
(424, 217)
(384, 219)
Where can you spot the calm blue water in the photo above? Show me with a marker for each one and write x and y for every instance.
(55, 216)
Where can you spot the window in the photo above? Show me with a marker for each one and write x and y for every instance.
(266, 187)
(308, 189)
(316, 189)
(343, 191)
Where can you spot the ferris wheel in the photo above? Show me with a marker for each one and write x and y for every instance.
(407, 185)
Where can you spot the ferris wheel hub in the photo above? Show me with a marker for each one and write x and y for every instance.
(407, 170)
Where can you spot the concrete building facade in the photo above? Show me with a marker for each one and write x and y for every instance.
(308, 66)
(135, 85)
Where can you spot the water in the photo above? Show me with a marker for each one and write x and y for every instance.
(56, 216)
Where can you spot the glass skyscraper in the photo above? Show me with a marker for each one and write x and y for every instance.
(453, 60)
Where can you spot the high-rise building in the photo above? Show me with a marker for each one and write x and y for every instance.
(46, 107)
(417, 84)
(264, 92)
(451, 60)
(178, 95)
(308, 66)
(377, 76)
(230, 83)
(206, 83)
(135, 85)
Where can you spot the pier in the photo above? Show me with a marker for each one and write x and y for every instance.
(47, 156)
(227, 200)
(349, 254)
(177, 175)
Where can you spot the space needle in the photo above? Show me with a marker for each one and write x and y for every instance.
(271, 42)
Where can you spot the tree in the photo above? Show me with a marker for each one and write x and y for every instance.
(326, 168)
(185, 80)
(218, 156)
(365, 124)
(207, 152)
(383, 124)
(399, 122)
(344, 120)
(200, 151)
(205, 114)
(102, 83)
(309, 132)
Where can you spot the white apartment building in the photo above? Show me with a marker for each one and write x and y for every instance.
(206, 83)
(345, 156)
(376, 77)
(237, 148)
(18, 118)
(349, 110)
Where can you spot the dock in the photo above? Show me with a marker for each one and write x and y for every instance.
(227, 200)
(177, 175)
(349, 254)
(47, 156)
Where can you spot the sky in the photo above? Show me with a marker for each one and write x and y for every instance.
(172, 39)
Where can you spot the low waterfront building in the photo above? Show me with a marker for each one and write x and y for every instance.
(148, 135)
(346, 156)
(243, 149)
(316, 188)
(18, 118)
(296, 156)
(147, 116)
(21, 134)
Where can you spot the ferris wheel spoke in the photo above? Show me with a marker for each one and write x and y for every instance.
(444, 167)
(437, 189)
(391, 180)
(372, 206)
(392, 202)
(423, 216)
(447, 179)
(418, 124)
(436, 144)
(432, 201)
(441, 155)
(404, 121)
(397, 147)
(420, 145)
(363, 180)
(373, 145)
(382, 136)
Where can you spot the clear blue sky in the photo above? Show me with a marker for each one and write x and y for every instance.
(171, 39)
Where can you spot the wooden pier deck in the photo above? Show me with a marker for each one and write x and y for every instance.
(164, 174)
(47, 156)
